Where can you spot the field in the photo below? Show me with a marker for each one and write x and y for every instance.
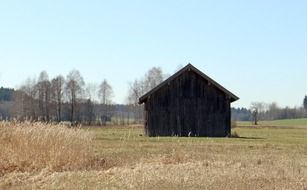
(290, 123)
(270, 156)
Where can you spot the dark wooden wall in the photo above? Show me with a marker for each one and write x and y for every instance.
(188, 105)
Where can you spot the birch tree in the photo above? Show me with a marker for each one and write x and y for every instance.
(74, 89)
(57, 88)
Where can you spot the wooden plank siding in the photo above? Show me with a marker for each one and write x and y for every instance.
(188, 106)
(189, 103)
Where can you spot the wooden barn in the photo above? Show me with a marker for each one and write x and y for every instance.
(189, 103)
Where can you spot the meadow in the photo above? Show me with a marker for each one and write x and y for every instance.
(272, 155)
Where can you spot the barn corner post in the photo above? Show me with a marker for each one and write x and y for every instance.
(145, 114)
(145, 119)
(229, 116)
(188, 103)
(229, 121)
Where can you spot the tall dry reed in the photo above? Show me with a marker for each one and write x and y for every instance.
(29, 147)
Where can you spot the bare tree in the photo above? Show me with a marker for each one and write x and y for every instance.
(273, 111)
(57, 88)
(91, 94)
(44, 91)
(89, 111)
(153, 78)
(74, 89)
(305, 104)
(28, 102)
(135, 92)
(105, 92)
(17, 109)
(91, 91)
(257, 109)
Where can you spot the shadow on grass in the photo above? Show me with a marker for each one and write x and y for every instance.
(248, 138)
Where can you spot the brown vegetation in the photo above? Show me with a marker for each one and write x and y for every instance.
(28, 147)
(262, 158)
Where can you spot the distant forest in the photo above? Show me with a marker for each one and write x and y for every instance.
(6, 94)
(71, 99)
(264, 111)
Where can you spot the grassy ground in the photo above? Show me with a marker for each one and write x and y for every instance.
(262, 157)
(279, 123)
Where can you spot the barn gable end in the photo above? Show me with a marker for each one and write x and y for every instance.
(189, 103)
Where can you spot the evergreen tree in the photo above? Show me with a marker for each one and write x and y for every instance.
(305, 102)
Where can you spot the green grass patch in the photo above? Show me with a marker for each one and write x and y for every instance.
(293, 123)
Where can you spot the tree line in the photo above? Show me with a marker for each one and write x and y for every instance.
(268, 111)
(60, 99)
(71, 99)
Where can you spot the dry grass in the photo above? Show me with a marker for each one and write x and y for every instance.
(264, 158)
(28, 147)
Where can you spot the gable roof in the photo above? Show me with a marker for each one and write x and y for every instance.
(188, 68)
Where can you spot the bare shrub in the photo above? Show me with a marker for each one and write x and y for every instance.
(35, 146)
(234, 135)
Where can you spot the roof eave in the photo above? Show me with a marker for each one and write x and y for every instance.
(233, 97)
(142, 100)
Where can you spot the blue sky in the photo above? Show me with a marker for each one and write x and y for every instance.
(256, 49)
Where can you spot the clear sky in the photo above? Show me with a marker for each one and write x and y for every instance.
(256, 49)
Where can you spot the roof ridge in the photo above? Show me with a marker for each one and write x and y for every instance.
(188, 66)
